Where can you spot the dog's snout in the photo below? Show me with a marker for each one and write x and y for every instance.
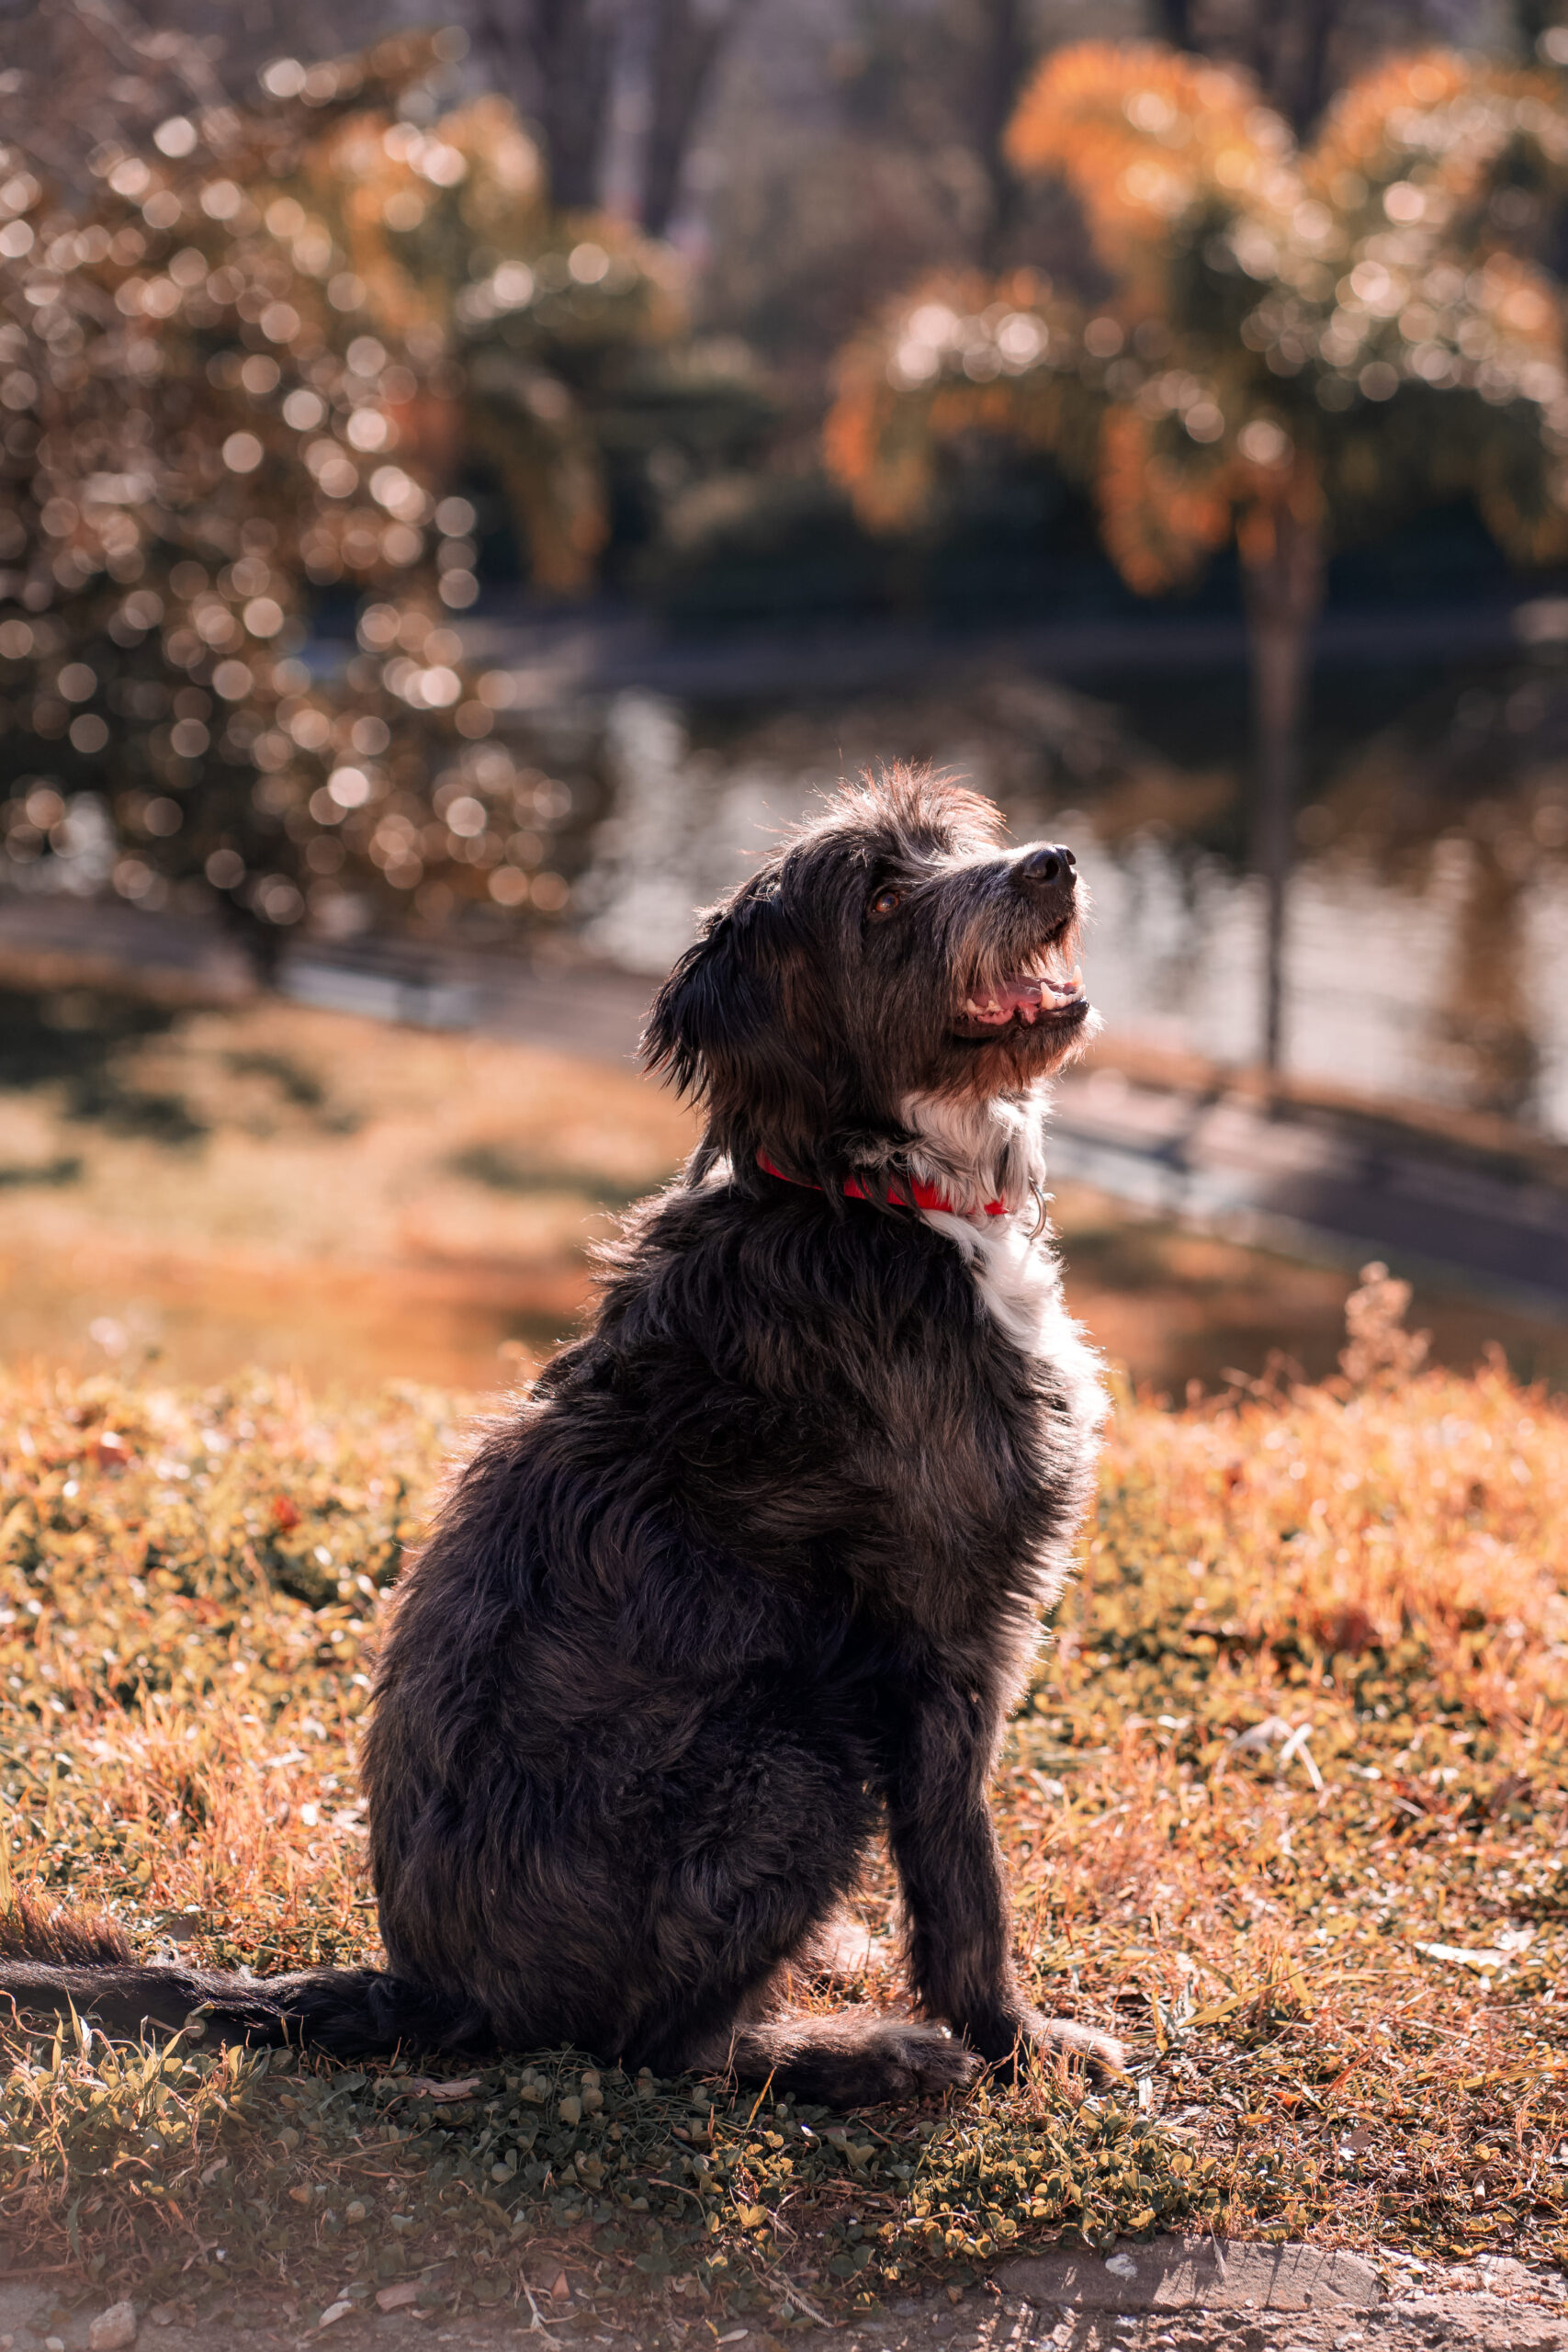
(1052, 866)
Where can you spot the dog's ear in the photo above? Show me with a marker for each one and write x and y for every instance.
(738, 1027)
(702, 1016)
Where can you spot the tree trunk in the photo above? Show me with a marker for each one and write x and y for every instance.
(1173, 22)
(1004, 60)
(1284, 581)
(554, 58)
(689, 37)
(1309, 95)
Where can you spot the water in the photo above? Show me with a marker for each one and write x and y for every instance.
(1427, 958)
(1389, 991)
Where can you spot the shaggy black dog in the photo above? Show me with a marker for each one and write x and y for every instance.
(757, 1568)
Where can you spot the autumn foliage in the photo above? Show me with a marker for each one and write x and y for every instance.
(238, 376)
(1339, 333)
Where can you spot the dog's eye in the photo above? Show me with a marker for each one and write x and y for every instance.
(886, 902)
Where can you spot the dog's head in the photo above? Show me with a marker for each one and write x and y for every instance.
(892, 949)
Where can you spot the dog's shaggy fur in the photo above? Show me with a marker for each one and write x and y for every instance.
(758, 1565)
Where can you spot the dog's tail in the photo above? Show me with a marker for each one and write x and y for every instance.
(54, 1965)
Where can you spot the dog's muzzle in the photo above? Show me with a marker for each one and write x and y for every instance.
(1047, 986)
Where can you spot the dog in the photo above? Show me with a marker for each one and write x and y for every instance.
(757, 1569)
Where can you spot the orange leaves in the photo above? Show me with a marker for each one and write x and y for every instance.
(1164, 506)
(890, 484)
(1322, 338)
(959, 354)
(1355, 1526)
(1434, 124)
(1143, 135)
(1160, 519)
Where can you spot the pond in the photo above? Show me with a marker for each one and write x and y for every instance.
(1427, 947)
(1426, 953)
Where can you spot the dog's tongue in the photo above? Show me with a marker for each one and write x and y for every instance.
(1013, 997)
(1022, 999)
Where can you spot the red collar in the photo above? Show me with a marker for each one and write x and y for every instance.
(926, 1197)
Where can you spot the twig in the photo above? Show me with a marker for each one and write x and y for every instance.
(1297, 1745)
(536, 2325)
(798, 2295)
(656, 2180)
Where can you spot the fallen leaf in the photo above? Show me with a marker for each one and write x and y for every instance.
(397, 2298)
(1488, 1958)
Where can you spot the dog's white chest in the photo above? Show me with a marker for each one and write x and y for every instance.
(1016, 1278)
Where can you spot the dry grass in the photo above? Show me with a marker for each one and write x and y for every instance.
(1305, 1713)
(304, 1190)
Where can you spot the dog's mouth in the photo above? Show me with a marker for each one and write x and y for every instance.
(1047, 993)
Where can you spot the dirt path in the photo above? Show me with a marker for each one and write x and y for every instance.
(1172, 2295)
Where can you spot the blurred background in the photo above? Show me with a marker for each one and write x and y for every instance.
(464, 486)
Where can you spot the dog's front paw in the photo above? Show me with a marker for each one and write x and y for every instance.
(1101, 2052)
(1010, 2042)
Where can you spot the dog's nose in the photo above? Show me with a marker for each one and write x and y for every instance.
(1052, 866)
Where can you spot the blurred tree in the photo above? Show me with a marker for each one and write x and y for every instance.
(542, 308)
(1301, 347)
(234, 377)
(72, 77)
(582, 394)
(563, 63)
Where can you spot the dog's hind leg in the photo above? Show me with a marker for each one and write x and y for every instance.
(731, 2016)
(855, 2058)
(773, 1823)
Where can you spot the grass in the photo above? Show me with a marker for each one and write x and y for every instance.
(1305, 1714)
(303, 1189)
